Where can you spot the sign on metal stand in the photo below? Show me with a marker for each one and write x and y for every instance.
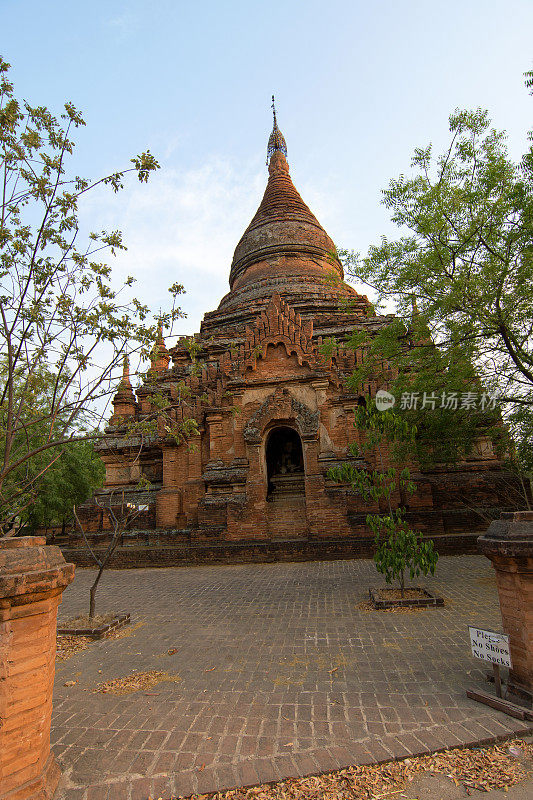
(494, 647)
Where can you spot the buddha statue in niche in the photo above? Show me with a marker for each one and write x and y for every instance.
(289, 461)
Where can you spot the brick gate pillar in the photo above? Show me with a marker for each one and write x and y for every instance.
(32, 579)
(508, 543)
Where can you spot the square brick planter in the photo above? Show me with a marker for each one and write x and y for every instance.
(427, 601)
(97, 633)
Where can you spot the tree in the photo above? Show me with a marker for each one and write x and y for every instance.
(120, 516)
(468, 261)
(41, 490)
(398, 548)
(436, 389)
(64, 327)
(70, 481)
(461, 278)
(529, 80)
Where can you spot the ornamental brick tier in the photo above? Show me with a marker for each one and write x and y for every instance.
(274, 415)
(32, 579)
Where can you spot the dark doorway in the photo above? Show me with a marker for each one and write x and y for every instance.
(285, 462)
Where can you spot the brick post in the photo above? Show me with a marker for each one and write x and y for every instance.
(508, 543)
(32, 579)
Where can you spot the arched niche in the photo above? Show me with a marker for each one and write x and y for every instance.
(278, 406)
(284, 462)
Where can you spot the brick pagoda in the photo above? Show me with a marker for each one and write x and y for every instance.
(273, 415)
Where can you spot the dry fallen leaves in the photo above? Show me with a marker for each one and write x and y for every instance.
(367, 606)
(483, 768)
(68, 646)
(124, 633)
(136, 682)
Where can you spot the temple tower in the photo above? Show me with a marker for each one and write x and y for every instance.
(272, 413)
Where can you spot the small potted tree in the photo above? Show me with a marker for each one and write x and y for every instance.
(399, 549)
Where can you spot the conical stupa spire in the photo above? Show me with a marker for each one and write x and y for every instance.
(284, 250)
(160, 354)
(124, 399)
(276, 141)
(283, 225)
(160, 340)
(125, 381)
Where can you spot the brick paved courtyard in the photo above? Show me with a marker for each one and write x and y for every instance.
(280, 674)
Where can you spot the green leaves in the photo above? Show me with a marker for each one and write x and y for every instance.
(466, 258)
(62, 320)
(72, 114)
(461, 277)
(398, 548)
(69, 481)
(144, 164)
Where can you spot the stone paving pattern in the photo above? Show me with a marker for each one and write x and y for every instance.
(303, 681)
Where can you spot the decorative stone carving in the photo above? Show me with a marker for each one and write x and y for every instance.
(219, 474)
(281, 405)
(307, 419)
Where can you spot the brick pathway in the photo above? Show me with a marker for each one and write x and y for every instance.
(303, 681)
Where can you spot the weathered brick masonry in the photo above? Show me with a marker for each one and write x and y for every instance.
(509, 545)
(274, 415)
(32, 579)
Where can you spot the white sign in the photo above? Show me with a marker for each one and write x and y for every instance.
(490, 646)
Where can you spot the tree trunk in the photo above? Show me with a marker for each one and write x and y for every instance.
(92, 593)
(402, 584)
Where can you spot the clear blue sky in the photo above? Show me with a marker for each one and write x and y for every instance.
(358, 85)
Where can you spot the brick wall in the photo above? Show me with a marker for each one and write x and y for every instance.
(183, 552)
(32, 578)
(515, 589)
